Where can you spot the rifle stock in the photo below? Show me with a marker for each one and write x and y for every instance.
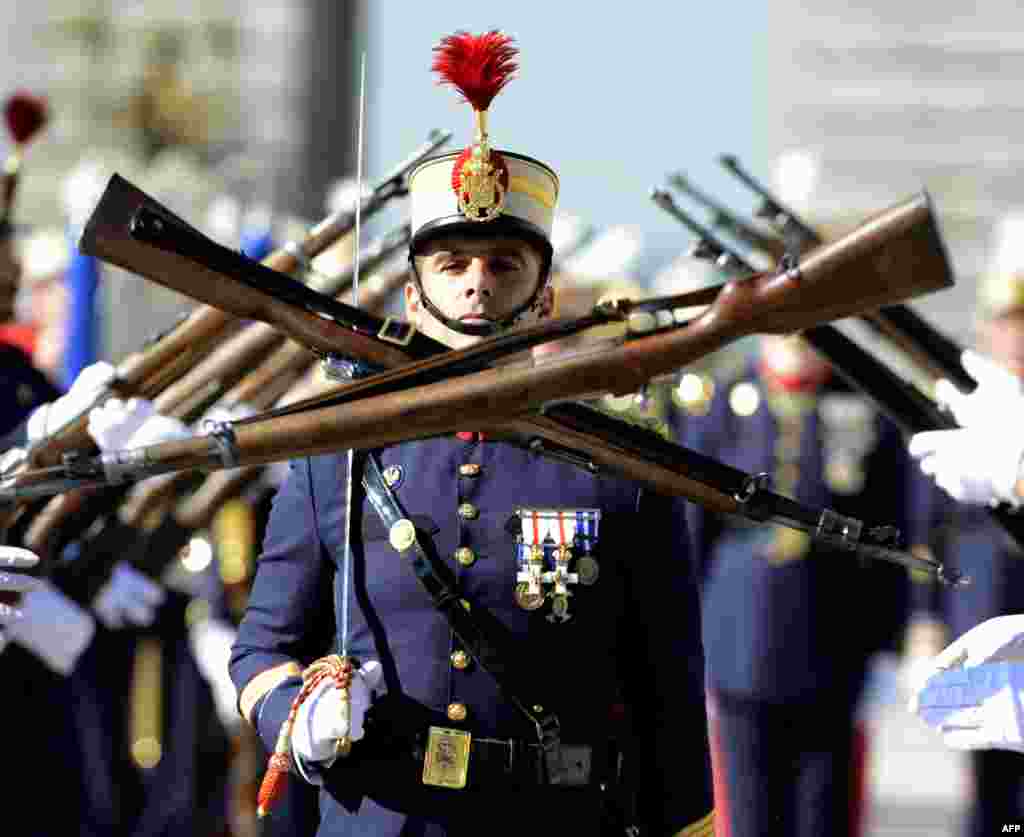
(933, 352)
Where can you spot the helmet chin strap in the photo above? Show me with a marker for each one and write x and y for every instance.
(478, 329)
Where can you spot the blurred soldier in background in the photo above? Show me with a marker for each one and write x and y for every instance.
(694, 385)
(43, 300)
(40, 648)
(787, 642)
(965, 536)
(602, 272)
(788, 648)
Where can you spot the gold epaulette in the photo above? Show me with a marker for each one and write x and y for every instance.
(704, 827)
(264, 683)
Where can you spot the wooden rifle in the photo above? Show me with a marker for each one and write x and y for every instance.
(792, 300)
(903, 403)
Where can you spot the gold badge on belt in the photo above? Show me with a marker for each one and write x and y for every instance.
(446, 762)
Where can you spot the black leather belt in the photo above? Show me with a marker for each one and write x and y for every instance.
(502, 761)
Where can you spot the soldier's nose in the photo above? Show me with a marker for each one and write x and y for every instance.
(483, 291)
(480, 279)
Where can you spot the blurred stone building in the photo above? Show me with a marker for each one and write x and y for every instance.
(191, 101)
(884, 99)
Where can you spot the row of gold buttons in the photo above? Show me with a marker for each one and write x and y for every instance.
(466, 557)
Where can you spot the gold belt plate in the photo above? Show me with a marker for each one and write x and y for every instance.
(446, 763)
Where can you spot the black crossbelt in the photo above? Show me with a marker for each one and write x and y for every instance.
(485, 637)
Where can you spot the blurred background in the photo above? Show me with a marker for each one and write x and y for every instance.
(243, 115)
(843, 109)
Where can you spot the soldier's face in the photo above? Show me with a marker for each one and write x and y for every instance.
(474, 280)
(791, 356)
(1003, 339)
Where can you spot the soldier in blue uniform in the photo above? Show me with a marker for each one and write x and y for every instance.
(975, 466)
(789, 628)
(25, 387)
(589, 578)
(39, 723)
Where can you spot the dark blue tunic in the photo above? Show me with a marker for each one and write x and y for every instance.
(633, 637)
(43, 753)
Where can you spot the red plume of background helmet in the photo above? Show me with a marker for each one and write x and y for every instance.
(25, 115)
(478, 66)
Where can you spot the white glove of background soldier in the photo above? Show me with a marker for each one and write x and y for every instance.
(83, 393)
(12, 582)
(120, 425)
(979, 463)
(42, 620)
(973, 695)
(127, 598)
(319, 723)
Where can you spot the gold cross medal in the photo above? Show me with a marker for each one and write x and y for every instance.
(557, 548)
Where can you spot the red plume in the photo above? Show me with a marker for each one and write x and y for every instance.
(478, 66)
(25, 115)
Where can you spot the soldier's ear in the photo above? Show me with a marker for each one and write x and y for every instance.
(546, 302)
(412, 303)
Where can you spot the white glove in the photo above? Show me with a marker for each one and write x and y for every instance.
(999, 394)
(127, 598)
(319, 723)
(211, 641)
(86, 388)
(52, 627)
(12, 559)
(120, 425)
(979, 463)
(973, 696)
(973, 465)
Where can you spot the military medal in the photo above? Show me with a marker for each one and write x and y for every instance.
(560, 579)
(554, 551)
(844, 474)
(848, 436)
(559, 607)
(587, 524)
(529, 595)
(587, 570)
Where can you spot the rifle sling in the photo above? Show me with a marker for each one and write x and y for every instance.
(485, 638)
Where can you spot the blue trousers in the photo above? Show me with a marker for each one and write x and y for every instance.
(789, 767)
